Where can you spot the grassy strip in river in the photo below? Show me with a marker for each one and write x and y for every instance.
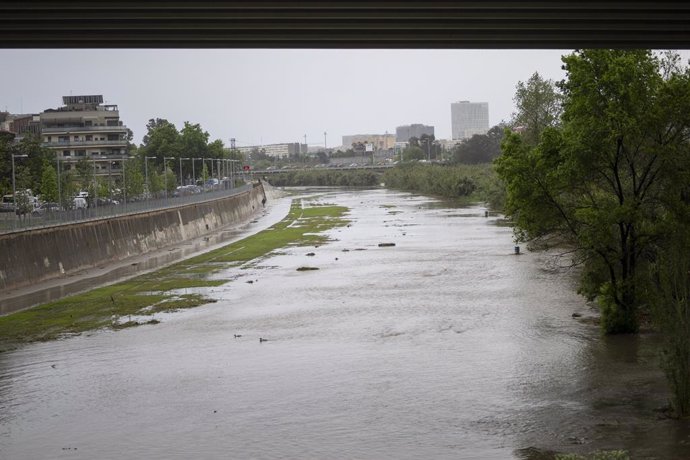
(112, 306)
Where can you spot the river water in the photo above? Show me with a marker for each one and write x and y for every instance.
(447, 345)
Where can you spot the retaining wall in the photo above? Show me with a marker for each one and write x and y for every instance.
(32, 256)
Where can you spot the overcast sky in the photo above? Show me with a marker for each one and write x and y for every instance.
(272, 96)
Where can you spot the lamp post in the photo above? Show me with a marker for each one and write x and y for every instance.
(14, 186)
(146, 173)
(95, 185)
(59, 183)
(165, 173)
(181, 181)
(124, 181)
(193, 171)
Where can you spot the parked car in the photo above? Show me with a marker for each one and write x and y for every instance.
(45, 208)
(79, 203)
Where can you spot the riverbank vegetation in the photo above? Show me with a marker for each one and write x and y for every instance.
(326, 177)
(601, 162)
(166, 289)
(469, 183)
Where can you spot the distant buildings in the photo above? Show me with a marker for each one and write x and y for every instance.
(404, 133)
(379, 141)
(85, 128)
(469, 118)
(276, 150)
(19, 125)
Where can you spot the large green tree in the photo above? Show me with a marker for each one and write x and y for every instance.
(538, 104)
(597, 182)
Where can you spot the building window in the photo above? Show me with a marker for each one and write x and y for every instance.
(89, 137)
(66, 153)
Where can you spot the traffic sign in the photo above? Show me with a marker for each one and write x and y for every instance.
(246, 167)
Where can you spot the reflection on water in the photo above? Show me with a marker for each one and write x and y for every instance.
(446, 345)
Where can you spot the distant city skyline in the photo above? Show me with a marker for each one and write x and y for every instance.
(277, 96)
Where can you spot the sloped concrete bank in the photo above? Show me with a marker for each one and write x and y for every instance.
(34, 256)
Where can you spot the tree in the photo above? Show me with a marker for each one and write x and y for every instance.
(429, 145)
(538, 105)
(134, 179)
(413, 152)
(597, 183)
(49, 183)
(85, 173)
(480, 148)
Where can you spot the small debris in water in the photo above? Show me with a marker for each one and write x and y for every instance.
(237, 336)
(311, 254)
(386, 245)
(302, 269)
(576, 315)
(261, 339)
(346, 250)
(250, 282)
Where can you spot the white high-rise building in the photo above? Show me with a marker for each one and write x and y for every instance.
(469, 118)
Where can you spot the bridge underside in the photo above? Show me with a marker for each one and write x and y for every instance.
(345, 24)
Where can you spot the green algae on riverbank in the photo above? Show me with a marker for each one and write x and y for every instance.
(160, 291)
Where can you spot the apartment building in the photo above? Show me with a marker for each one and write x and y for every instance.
(86, 128)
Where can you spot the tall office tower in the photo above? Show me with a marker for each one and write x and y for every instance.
(404, 133)
(469, 118)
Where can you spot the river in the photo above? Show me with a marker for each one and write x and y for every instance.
(447, 345)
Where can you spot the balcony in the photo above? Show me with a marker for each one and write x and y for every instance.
(79, 129)
(67, 144)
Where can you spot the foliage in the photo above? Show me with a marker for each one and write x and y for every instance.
(133, 178)
(49, 183)
(598, 181)
(446, 181)
(412, 153)
(356, 178)
(539, 106)
(29, 169)
(480, 148)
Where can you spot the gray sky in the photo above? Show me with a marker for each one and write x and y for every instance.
(271, 96)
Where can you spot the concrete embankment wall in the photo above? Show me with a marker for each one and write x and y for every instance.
(32, 256)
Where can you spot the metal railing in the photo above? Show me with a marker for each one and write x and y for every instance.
(10, 222)
(77, 129)
(121, 143)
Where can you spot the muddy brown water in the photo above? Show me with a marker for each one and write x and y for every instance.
(446, 345)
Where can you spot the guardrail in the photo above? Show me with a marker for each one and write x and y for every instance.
(10, 222)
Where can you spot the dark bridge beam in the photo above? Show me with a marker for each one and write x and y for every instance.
(344, 24)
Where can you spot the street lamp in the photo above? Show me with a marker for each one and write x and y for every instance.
(57, 157)
(193, 171)
(181, 182)
(146, 173)
(124, 181)
(14, 186)
(165, 173)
